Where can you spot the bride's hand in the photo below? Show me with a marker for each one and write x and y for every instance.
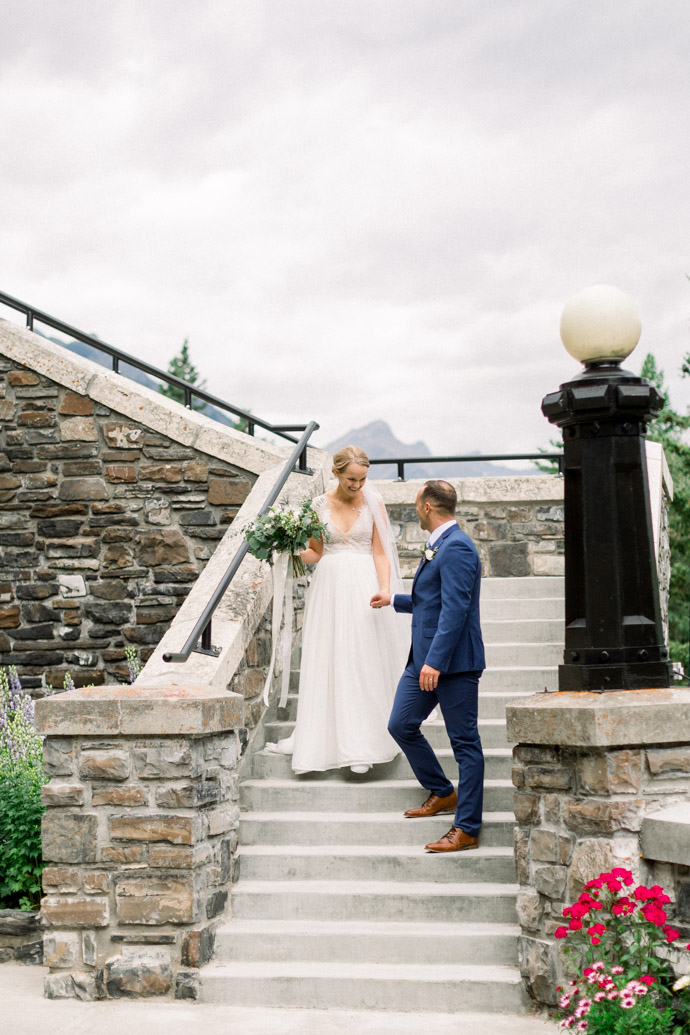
(380, 600)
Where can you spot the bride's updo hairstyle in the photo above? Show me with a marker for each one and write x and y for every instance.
(349, 455)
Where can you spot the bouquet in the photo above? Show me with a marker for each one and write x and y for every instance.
(285, 530)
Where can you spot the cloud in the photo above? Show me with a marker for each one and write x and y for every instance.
(360, 211)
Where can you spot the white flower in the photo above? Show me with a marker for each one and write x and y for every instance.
(682, 982)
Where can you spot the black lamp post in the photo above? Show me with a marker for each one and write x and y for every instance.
(613, 632)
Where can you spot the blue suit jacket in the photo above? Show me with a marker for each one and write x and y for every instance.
(444, 604)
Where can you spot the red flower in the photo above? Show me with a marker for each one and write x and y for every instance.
(653, 914)
(647, 979)
(595, 941)
(641, 893)
(671, 934)
(576, 925)
(614, 885)
(562, 932)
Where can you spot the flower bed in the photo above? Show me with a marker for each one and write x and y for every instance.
(621, 947)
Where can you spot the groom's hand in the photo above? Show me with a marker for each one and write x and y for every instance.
(380, 600)
(428, 677)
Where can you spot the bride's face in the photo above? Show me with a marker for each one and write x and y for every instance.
(351, 480)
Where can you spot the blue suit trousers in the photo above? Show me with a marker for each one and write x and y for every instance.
(457, 697)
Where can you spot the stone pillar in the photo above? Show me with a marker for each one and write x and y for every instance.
(139, 836)
(587, 770)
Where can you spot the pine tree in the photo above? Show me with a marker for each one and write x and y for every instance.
(669, 428)
(181, 366)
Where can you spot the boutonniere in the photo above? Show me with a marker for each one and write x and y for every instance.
(428, 554)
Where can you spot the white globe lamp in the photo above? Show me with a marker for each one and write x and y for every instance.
(600, 324)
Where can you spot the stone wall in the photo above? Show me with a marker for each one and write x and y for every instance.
(590, 770)
(106, 519)
(139, 837)
(21, 936)
(515, 523)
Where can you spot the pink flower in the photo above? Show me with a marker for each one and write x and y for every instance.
(564, 1002)
(598, 996)
(628, 1001)
(581, 1026)
(599, 965)
(616, 970)
(613, 994)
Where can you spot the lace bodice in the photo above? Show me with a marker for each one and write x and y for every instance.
(358, 539)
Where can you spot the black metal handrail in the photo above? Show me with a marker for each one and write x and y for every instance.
(118, 356)
(201, 633)
(400, 462)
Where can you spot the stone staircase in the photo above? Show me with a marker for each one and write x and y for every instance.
(339, 907)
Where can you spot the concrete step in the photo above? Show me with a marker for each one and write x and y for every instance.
(497, 688)
(414, 901)
(522, 679)
(522, 630)
(365, 986)
(509, 655)
(353, 794)
(498, 763)
(492, 732)
(357, 941)
(523, 588)
(504, 608)
(363, 828)
(374, 863)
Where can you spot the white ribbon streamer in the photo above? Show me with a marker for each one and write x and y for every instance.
(282, 602)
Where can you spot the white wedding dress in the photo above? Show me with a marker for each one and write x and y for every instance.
(352, 656)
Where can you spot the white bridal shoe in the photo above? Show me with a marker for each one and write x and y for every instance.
(360, 768)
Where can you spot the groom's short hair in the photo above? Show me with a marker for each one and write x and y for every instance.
(441, 495)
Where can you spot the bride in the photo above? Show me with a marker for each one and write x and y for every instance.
(352, 655)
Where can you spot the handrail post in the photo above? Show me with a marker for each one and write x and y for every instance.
(302, 462)
(30, 319)
(250, 427)
(206, 635)
(116, 364)
(188, 397)
(401, 470)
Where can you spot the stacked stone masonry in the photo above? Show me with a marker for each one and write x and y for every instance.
(139, 839)
(105, 526)
(513, 539)
(579, 812)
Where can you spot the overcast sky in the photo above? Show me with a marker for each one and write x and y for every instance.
(354, 209)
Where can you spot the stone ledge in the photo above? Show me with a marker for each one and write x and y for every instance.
(504, 489)
(138, 711)
(614, 718)
(146, 406)
(665, 835)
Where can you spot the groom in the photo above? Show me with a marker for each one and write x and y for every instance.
(445, 662)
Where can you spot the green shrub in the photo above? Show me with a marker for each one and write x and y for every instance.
(21, 779)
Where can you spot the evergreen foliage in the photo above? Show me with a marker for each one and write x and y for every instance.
(181, 366)
(669, 429)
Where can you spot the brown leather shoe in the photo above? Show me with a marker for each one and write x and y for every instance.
(433, 805)
(456, 840)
